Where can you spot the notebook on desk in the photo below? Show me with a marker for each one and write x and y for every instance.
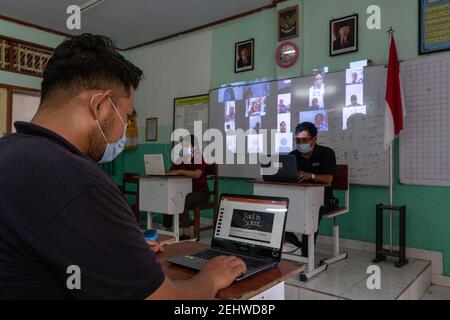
(154, 165)
(249, 227)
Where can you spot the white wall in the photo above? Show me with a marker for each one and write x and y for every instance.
(176, 68)
(24, 107)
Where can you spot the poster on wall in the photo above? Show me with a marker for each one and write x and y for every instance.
(187, 110)
(434, 33)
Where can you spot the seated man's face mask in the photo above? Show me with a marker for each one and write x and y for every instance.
(113, 149)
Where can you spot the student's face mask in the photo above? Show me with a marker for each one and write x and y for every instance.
(113, 149)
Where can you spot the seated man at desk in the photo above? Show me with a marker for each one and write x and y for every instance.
(315, 164)
(193, 166)
(66, 230)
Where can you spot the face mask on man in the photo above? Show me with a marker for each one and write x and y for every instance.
(304, 148)
(112, 149)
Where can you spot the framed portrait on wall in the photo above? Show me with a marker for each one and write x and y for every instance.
(151, 129)
(344, 35)
(434, 33)
(288, 23)
(244, 56)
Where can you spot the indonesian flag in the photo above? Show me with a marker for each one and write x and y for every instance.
(395, 106)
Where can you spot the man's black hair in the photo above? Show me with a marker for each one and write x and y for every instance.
(307, 126)
(87, 62)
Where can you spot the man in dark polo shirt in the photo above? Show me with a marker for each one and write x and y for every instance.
(66, 231)
(315, 164)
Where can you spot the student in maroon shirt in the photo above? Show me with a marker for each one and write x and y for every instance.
(193, 166)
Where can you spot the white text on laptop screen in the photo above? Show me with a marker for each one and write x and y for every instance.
(254, 221)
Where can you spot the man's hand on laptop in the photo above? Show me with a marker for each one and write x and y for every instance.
(222, 271)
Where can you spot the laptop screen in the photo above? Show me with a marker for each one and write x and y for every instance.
(251, 225)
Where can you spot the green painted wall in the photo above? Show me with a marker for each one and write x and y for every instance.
(260, 27)
(17, 31)
(402, 15)
(428, 214)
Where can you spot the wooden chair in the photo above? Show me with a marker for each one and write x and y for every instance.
(340, 182)
(212, 173)
(132, 179)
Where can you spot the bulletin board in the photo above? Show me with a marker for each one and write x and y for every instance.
(187, 110)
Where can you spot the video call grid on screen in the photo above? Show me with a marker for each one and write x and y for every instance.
(257, 222)
(329, 100)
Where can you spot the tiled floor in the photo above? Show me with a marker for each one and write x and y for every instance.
(437, 293)
(347, 279)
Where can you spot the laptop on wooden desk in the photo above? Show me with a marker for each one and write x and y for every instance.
(154, 165)
(248, 227)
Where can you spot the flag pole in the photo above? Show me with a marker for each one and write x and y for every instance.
(391, 173)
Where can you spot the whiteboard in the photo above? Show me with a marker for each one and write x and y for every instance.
(360, 146)
(425, 140)
(187, 110)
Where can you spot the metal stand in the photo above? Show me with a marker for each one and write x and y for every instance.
(382, 253)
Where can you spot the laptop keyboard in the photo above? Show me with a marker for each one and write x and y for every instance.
(249, 262)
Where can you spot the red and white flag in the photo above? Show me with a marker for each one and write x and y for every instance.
(395, 106)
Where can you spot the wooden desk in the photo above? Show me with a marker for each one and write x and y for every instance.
(164, 194)
(305, 201)
(268, 285)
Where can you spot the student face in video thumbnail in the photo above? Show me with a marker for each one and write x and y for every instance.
(231, 115)
(354, 101)
(283, 127)
(320, 122)
(282, 107)
(318, 81)
(315, 103)
(229, 95)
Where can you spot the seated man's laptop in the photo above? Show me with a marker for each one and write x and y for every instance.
(248, 227)
(154, 165)
(287, 172)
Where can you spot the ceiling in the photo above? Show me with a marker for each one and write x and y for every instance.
(129, 22)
